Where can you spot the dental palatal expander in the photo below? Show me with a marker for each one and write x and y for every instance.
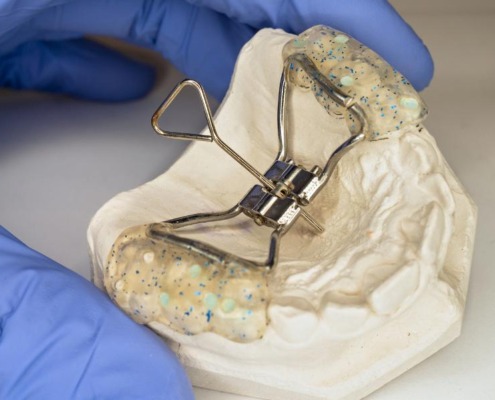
(286, 187)
(191, 287)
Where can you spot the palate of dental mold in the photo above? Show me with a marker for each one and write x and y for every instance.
(345, 311)
(386, 96)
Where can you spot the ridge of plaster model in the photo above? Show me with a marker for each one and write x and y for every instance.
(341, 312)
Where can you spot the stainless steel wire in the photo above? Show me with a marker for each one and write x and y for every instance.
(347, 103)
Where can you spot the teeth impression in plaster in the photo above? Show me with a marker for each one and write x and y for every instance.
(313, 263)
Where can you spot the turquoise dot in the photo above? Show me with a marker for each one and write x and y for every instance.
(341, 39)
(299, 43)
(228, 305)
(164, 299)
(194, 270)
(347, 80)
(409, 102)
(210, 300)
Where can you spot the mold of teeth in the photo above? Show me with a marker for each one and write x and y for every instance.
(342, 312)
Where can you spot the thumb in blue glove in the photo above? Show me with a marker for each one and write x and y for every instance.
(61, 338)
(201, 37)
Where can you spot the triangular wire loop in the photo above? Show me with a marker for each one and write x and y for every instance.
(212, 137)
(170, 99)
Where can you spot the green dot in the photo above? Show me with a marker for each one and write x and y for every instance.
(194, 270)
(228, 305)
(210, 300)
(409, 102)
(341, 39)
(164, 299)
(347, 80)
(299, 43)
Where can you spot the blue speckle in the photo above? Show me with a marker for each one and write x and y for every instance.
(208, 316)
(197, 293)
(249, 296)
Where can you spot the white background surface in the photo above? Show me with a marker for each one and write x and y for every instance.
(61, 159)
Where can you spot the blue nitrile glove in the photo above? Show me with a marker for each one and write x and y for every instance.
(41, 45)
(62, 338)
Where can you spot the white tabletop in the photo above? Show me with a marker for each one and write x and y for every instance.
(61, 159)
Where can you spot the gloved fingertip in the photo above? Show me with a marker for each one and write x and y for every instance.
(202, 43)
(424, 69)
(78, 67)
(383, 29)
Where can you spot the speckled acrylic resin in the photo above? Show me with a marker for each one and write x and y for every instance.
(190, 287)
(386, 96)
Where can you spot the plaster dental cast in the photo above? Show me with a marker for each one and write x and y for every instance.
(253, 298)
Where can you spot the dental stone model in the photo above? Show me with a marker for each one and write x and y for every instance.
(341, 312)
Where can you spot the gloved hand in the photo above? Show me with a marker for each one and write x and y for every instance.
(62, 338)
(41, 45)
